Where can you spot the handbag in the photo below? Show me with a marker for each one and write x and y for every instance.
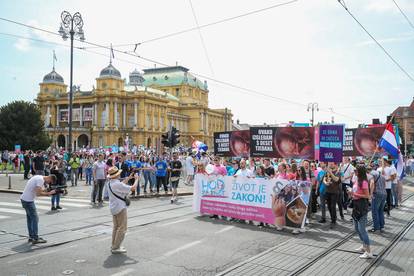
(360, 208)
(125, 199)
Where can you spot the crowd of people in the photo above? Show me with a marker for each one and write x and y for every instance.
(354, 184)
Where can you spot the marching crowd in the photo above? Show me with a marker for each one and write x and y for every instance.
(363, 187)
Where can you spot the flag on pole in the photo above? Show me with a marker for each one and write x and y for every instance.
(389, 142)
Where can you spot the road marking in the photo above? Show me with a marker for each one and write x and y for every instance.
(185, 246)
(10, 204)
(174, 222)
(40, 254)
(124, 272)
(3, 217)
(63, 203)
(225, 229)
(75, 199)
(13, 211)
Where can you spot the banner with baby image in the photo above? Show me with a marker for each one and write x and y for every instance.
(282, 142)
(232, 143)
(273, 201)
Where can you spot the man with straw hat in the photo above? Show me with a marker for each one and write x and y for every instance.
(118, 202)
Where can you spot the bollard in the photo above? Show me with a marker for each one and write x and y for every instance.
(9, 182)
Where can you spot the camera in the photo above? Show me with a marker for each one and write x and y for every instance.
(60, 189)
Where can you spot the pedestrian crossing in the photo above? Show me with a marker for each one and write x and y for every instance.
(13, 207)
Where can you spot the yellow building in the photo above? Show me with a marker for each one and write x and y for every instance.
(141, 109)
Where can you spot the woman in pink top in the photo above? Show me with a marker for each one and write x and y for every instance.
(219, 169)
(282, 171)
(360, 197)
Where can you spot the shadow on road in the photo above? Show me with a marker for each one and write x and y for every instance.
(118, 260)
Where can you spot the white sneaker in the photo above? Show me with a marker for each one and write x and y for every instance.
(119, 250)
(360, 249)
(278, 228)
(366, 255)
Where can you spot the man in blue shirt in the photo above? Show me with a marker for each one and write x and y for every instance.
(161, 173)
(320, 189)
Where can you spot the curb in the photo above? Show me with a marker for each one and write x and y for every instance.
(138, 197)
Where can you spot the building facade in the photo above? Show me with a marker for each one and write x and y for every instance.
(404, 117)
(138, 111)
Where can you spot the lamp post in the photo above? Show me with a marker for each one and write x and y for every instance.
(312, 107)
(71, 25)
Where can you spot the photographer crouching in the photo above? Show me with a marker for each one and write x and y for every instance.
(57, 169)
(34, 187)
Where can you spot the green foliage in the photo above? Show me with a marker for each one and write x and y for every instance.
(21, 124)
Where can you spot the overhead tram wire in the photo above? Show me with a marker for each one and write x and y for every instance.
(196, 74)
(201, 37)
(204, 25)
(376, 41)
(403, 14)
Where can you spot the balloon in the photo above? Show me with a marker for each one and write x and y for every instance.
(209, 169)
(203, 147)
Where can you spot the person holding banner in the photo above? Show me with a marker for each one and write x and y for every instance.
(332, 180)
(347, 171)
(244, 171)
(321, 191)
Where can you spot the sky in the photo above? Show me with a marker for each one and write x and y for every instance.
(309, 51)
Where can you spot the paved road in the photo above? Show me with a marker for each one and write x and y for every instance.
(169, 239)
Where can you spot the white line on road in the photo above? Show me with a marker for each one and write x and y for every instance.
(225, 229)
(185, 246)
(75, 199)
(41, 254)
(3, 217)
(10, 204)
(174, 222)
(47, 202)
(13, 211)
(124, 272)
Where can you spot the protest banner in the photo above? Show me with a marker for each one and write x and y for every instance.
(331, 143)
(362, 141)
(17, 148)
(274, 201)
(282, 142)
(232, 143)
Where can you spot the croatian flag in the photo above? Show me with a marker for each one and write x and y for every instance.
(389, 143)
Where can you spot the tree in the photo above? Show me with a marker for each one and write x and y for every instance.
(21, 124)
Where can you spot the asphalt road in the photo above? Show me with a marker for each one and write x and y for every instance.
(162, 239)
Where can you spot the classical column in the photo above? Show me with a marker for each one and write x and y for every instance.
(81, 115)
(206, 123)
(135, 115)
(123, 115)
(57, 115)
(106, 114)
(47, 119)
(95, 114)
(201, 121)
(116, 114)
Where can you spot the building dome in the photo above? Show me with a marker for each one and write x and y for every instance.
(136, 78)
(53, 77)
(110, 71)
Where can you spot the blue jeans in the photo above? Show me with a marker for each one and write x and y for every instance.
(360, 228)
(55, 200)
(32, 219)
(148, 178)
(378, 205)
(89, 176)
(394, 195)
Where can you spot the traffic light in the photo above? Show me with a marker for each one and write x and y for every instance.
(165, 139)
(175, 137)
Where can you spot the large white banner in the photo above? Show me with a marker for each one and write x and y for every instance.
(274, 201)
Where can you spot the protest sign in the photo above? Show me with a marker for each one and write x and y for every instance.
(273, 201)
(362, 141)
(232, 143)
(282, 142)
(17, 148)
(331, 143)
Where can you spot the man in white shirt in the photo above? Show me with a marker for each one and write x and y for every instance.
(34, 187)
(347, 172)
(118, 192)
(244, 171)
(388, 174)
(394, 185)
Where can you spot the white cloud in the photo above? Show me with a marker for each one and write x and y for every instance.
(22, 45)
(387, 6)
(396, 39)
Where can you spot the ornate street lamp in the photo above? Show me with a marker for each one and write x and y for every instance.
(71, 25)
(312, 107)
